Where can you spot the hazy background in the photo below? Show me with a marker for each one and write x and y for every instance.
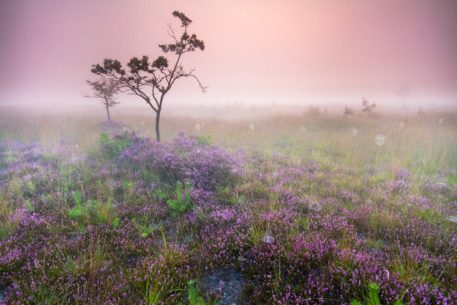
(259, 52)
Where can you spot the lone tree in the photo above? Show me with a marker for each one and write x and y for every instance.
(368, 107)
(105, 89)
(151, 81)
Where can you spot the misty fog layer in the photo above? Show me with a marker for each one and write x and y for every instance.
(401, 54)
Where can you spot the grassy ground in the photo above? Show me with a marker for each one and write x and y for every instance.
(287, 209)
(423, 144)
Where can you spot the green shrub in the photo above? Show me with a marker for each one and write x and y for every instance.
(93, 212)
(144, 227)
(204, 139)
(77, 198)
(116, 222)
(182, 203)
(373, 297)
(112, 146)
(79, 210)
(193, 294)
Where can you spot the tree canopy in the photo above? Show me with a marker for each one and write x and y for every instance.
(152, 80)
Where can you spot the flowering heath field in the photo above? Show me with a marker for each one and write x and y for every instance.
(292, 209)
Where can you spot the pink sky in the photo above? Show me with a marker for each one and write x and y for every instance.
(258, 51)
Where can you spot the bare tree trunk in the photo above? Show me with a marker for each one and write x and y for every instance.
(108, 114)
(158, 125)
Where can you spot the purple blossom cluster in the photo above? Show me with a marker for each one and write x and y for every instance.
(207, 166)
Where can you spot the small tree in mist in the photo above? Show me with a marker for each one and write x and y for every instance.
(151, 81)
(314, 110)
(105, 89)
(368, 106)
(348, 112)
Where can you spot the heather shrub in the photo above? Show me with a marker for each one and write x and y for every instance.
(205, 166)
(263, 265)
(141, 222)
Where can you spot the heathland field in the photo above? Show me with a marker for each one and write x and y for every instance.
(310, 208)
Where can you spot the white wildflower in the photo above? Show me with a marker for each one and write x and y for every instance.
(380, 140)
(315, 206)
(453, 218)
(354, 131)
(268, 239)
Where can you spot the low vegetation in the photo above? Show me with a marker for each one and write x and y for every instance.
(299, 210)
